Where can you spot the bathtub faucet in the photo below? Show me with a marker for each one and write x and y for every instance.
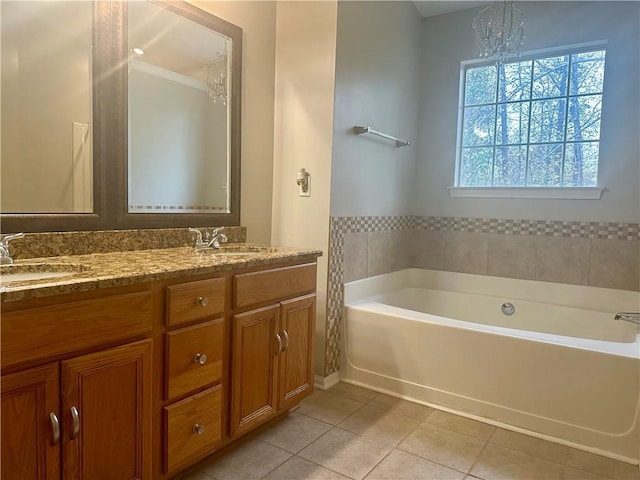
(628, 317)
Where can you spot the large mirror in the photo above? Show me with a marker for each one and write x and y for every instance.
(47, 123)
(112, 138)
(178, 112)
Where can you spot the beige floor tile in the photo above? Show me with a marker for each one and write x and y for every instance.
(401, 465)
(250, 461)
(496, 462)
(473, 428)
(346, 453)
(571, 473)
(328, 407)
(294, 432)
(381, 425)
(353, 392)
(443, 446)
(605, 467)
(401, 407)
(299, 469)
(554, 452)
(196, 476)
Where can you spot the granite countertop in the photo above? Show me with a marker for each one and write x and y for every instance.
(104, 270)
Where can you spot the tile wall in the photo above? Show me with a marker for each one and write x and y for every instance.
(584, 253)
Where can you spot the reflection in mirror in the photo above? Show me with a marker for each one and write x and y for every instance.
(178, 111)
(46, 107)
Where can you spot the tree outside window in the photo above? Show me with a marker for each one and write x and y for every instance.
(533, 122)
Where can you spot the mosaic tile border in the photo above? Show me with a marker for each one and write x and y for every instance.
(335, 290)
(341, 225)
(549, 228)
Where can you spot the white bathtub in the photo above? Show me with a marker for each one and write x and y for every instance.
(560, 368)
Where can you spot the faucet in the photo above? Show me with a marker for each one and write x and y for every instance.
(209, 241)
(5, 257)
(628, 317)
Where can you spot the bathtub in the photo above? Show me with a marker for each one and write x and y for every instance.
(559, 367)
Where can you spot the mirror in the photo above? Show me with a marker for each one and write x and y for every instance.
(185, 164)
(178, 99)
(47, 159)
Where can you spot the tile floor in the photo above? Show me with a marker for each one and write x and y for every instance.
(349, 432)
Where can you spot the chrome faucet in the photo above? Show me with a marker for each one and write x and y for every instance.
(628, 317)
(5, 256)
(210, 241)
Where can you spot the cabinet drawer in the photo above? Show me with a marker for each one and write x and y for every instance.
(183, 444)
(194, 300)
(45, 332)
(275, 284)
(194, 357)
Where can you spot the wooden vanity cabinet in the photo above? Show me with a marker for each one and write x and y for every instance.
(195, 364)
(272, 345)
(86, 416)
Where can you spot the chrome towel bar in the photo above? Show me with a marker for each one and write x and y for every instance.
(399, 142)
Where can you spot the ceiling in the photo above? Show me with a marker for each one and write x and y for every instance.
(432, 8)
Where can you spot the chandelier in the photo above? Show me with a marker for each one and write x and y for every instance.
(217, 79)
(500, 30)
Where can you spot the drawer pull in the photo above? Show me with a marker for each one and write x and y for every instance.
(279, 339)
(198, 429)
(200, 358)
(286, 340)
(55, 427)
(202, 301)
(75, 418)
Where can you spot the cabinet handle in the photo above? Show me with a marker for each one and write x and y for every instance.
(198, 429)
(202, 301)
(279, 343)
(55, 427)
(75, 418)
(286, 340)
(200, 358)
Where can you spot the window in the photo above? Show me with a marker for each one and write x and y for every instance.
(531, 122)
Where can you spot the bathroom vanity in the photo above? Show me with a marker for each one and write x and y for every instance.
(141, 363)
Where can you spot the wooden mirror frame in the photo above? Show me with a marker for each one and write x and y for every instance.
(110, 118)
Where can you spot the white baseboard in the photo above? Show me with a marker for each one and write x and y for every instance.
(324, 383)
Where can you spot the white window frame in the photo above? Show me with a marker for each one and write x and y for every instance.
(582, 193)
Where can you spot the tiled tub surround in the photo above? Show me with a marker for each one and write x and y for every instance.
(584, 253)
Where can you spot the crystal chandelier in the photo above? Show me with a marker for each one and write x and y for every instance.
(217, 80)
(500, 30)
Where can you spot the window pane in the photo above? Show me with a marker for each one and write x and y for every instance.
(581, 164)
(547, 120)
(514, 81)
(478, 126)
(545, 165)
(513, 123)
(550, 76)
(584, 118)
(510, 166)
(587, 72)
(480, 85)
(476, 166)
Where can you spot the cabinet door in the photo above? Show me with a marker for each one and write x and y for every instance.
(296, 360)
(30, 446)
(255, 347)
(106, 405)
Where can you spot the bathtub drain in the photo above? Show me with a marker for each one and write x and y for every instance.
(508, 308)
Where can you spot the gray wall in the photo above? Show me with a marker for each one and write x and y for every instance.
(377, 84)
(449, 38)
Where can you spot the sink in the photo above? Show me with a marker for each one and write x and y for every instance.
(35, 272)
